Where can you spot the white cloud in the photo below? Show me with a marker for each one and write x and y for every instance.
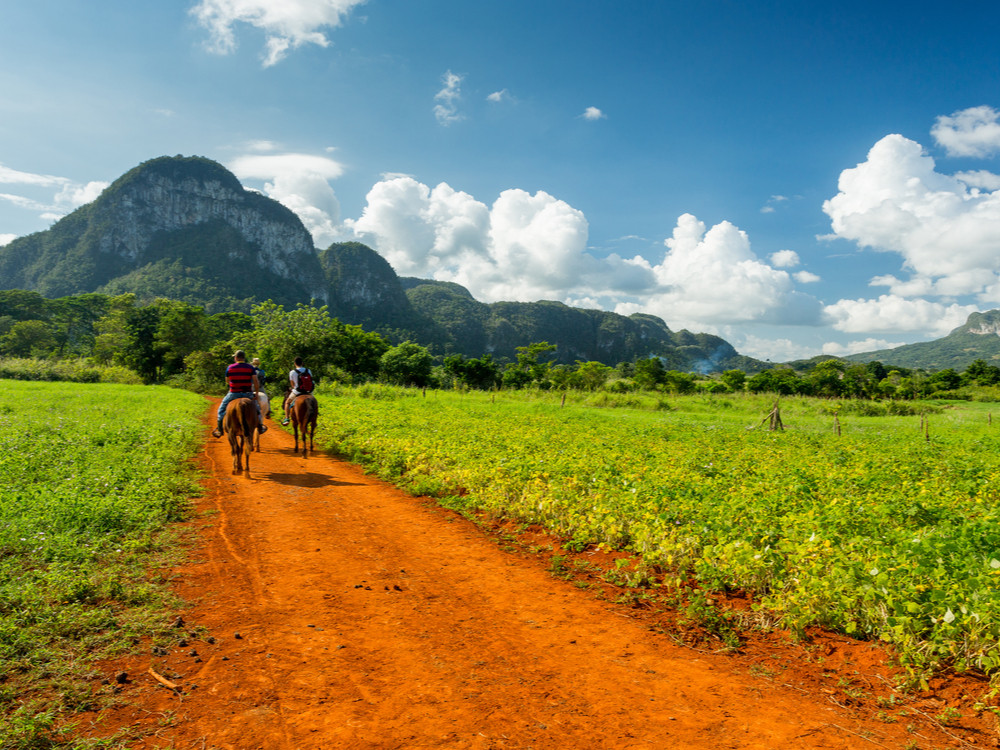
(525, 247)
(446, 109)
(714, 277)
(857, 347)
(947, 234)
(980, 179)
(774, 350)
(52, 197)
(772, 203)
(287, 24)
(969, 132)
(593, 113)
(6, 239)
(300, 182)
(784, 259)
(805, 277)
(891, 313)
(499, 96)
(528, 247)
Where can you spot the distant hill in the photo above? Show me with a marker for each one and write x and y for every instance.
(463, 325)
(979, 338)
(185, 228)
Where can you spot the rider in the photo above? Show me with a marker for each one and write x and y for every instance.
(261, 375)
(243, 383)
(298, 385)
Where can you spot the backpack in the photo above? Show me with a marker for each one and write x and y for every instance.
(305, 382)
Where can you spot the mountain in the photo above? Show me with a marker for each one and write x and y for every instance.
(184, 228)
(180, 227)
(462, 325)
(979, 338)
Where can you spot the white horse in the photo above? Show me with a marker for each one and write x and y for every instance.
(265, 404)
(265, 411)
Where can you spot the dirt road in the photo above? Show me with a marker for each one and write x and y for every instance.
(330, 610)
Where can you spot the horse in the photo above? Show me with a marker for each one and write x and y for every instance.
(240, 424)
(305, 412)
(265, 411)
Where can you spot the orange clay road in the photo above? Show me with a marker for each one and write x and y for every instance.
(327, 609)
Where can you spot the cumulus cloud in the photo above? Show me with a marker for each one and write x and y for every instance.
(593, 113)
(784, 259)
(287, 24)
(446, 109)
(526, 247)
(980, 179)
(300, 182)
(969, 132)
(713, 276)
(805, 277)
(499, 96)
(6, 239)
(947, 234)
(891, 313)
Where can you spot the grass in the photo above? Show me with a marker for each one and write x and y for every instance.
(90, 477)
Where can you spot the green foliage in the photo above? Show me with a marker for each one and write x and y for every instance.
(327, 346)
(407, 364)
(879, 532)
(79, 518)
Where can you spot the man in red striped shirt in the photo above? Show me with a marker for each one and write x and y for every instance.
(242, 380)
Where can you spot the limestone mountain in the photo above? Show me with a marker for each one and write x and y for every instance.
(978, 338)
(179, 227)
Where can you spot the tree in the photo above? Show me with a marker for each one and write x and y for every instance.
(481, 373)
(591, 376)
(327, 345)
(735, 380)
(126, 336)
(649, 373)
(826, 379)
(181, 330)
(780, 380)
(981, 373)
(407, 364)
(28, 338)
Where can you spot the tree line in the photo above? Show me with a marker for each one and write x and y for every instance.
(173, 342)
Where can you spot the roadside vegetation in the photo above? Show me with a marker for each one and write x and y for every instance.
(91, 475)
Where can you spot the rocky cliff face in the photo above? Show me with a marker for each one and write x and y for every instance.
(982, 324)
(162, 196)
(184, 209)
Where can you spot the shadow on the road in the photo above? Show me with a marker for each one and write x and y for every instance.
(308, 479)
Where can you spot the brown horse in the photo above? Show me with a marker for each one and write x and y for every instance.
(305, 412)
(240, 424)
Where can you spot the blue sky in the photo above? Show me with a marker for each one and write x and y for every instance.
(799, 178)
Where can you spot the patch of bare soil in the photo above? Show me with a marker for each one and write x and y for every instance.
(328, 609)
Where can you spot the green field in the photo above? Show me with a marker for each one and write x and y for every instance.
(889, 530)
(89, 477)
